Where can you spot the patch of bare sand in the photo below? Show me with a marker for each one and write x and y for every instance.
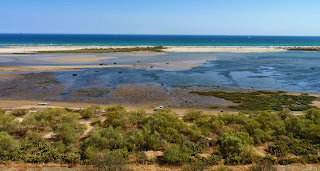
(88, 58)
(33, 105)
(154, 167)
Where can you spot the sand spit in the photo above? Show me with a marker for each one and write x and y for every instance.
(235, 49)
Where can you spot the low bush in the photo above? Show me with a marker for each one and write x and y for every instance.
(2, 111)
(176, 155)
(280, 149)
(19, 112)
(195, 166)
(90, 111)
(111, 160)
(286, 161)
(8, 123)
(234, 144)
(192, 115)
(9, 146)
(311, 159)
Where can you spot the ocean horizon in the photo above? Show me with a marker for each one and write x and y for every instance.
(153, 40)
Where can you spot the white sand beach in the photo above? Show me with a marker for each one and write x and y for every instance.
(235, 49)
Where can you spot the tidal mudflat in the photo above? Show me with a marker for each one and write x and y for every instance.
(163, 78)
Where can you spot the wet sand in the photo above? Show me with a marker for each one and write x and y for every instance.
(89, 58)
(45, 68)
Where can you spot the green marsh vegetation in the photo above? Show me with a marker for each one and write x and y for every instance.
(110, 50)
(265, 100)
(304, 48)
(195, 141)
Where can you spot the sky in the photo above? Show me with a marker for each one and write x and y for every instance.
(177, 17)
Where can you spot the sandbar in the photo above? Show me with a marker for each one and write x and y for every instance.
(235, 49)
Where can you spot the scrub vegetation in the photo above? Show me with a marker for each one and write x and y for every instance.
(195, 141)
(265, 100)
(304, 48)
(110, 50)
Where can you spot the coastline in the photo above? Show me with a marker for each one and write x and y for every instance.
(177, 49)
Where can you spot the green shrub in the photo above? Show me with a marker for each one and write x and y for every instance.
(234, 144)
(300, 108)
(311, 159)
(8, 123)
(314, 115)
(19, 112)
(86, 113)
(215, 158)
(284, 114)
(262, 100)
(116, 117)
(236, 159)
(267, 160)
(97, 122)
(33, 135)
(69, 134)
(259, 136)
(208, 124)
(195, 166)
(286, 161)
(192, 115)
(280, 149)
(111, 160)
(115, 108)
(101, 140)
(49, 118)
(299, 147)
(141, 158)
(90, 111)
(2, 111)
(197, 146)
(312, 133)
(38, 151)
(168, 125)
(176, 155)
(9, 146)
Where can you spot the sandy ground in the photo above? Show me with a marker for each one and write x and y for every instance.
(237, 49)
(62, 167)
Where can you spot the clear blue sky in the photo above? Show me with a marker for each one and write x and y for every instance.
(199, 17)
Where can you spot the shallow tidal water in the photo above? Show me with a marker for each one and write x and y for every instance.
(286, 71)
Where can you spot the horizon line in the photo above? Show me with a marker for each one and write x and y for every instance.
(165, 34)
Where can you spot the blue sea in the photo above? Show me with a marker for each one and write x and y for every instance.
(152, 40)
